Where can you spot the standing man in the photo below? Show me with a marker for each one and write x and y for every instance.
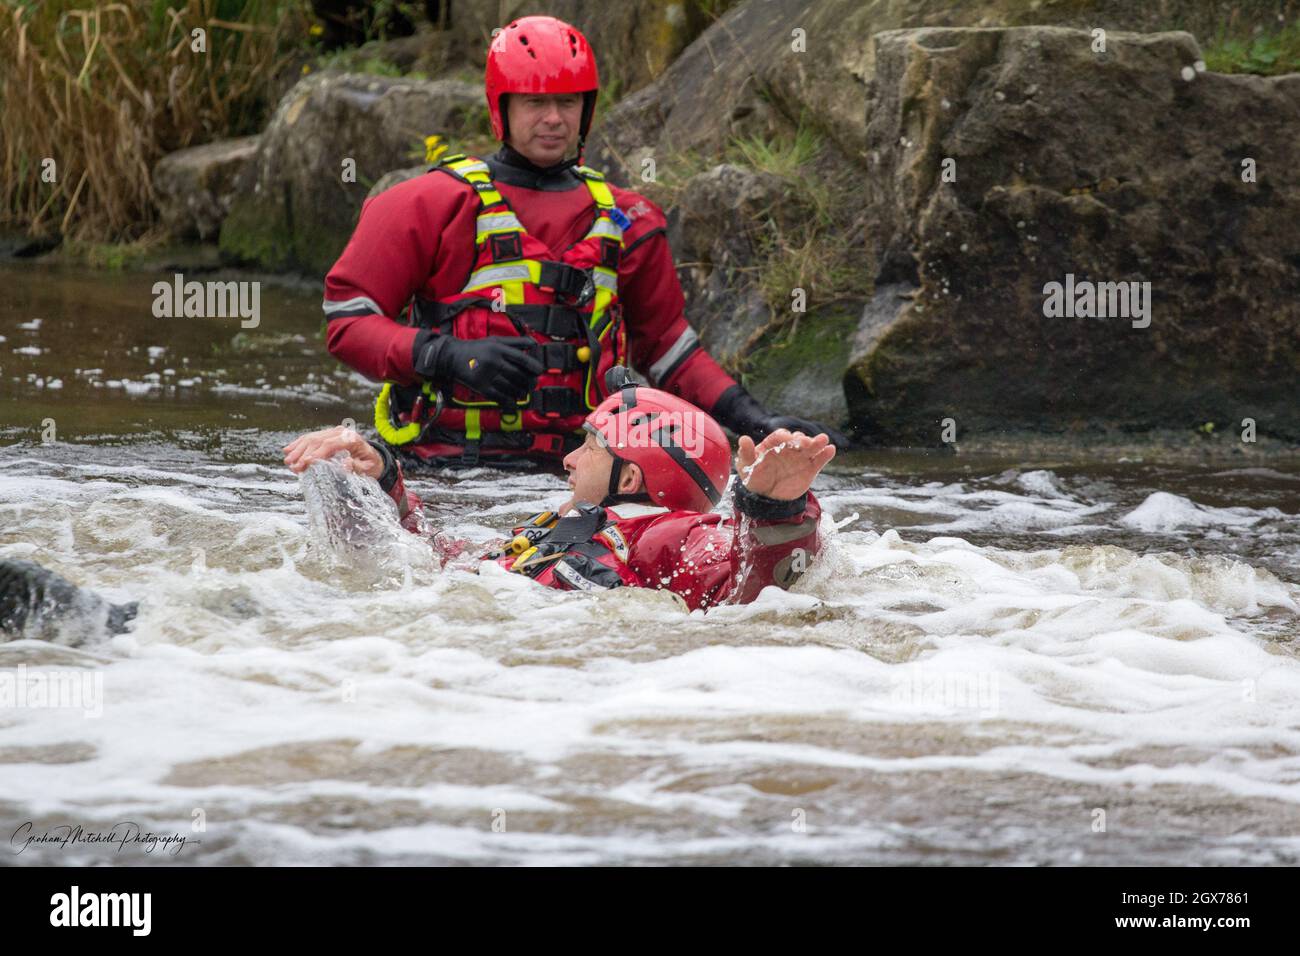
(523, 279)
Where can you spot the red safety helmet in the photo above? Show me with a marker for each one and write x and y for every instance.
(683, 454)
(540, 55)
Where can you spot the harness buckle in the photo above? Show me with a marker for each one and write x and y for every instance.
(568, 282)
(558, 357)
(555, 401)
(588, 291)
(506, 247)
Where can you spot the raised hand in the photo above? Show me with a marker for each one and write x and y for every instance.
(325, 444)
(784, 464)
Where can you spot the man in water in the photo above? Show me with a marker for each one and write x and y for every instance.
(644, 482)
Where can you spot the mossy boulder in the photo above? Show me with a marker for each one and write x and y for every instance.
(195, 187)
(1004, 160)
(331, 138)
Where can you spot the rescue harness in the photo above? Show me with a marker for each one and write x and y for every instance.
(569, 308)
(572, 547)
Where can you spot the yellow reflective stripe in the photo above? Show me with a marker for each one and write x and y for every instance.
(492, 221)
(472, 430)
(525, 270)
(605, 227)
(468, 165)
(511, 421)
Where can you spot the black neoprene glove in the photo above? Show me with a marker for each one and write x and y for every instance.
(741, 412)
(503, 370)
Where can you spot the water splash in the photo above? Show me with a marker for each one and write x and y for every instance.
(354, 527)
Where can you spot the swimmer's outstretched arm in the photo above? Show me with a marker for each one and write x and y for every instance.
(363, 458)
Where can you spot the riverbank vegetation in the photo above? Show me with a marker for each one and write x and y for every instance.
(94, 95)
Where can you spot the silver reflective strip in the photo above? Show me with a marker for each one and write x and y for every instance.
(687, 341)
(606, 227)
(471, 168)
(604, 280)
(495, 275)
(783, 533)
(357, 303)
(506, 220)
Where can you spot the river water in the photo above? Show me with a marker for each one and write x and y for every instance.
(1046, 661)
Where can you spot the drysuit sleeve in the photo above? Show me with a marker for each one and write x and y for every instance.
(394, 248)
(661, 344)
(773, 542)
(391, 480)
(708, 559)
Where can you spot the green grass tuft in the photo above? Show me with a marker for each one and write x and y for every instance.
(1265, 53)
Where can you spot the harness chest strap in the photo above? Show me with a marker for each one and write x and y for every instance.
(571, 547)
(499, 228)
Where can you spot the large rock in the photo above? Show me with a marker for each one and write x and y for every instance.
(715, 231)
(766, 69)
(766, 63)
(1122, 166)
(724, 232)
(393, 177)
(710, 94)
(294, 209)
(195, 187)
(728, 218)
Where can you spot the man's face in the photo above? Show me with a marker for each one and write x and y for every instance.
(588, 466)
(544, 126)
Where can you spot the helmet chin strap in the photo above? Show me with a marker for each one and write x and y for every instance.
(613, 497)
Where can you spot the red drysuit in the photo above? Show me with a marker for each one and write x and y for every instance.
(417, 239)
(706, 559)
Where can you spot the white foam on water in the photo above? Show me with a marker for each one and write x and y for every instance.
(274, 681)
(1163, 512)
